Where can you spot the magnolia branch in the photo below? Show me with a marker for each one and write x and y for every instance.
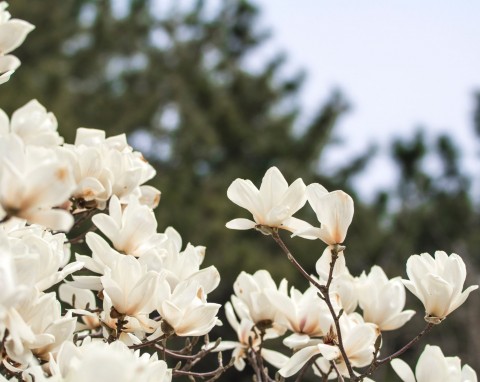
(377, 363)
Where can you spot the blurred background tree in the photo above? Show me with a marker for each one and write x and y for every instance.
(175, 80)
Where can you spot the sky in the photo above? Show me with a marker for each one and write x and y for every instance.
(401, 64)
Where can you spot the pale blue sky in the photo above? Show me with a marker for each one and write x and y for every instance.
(401, 63)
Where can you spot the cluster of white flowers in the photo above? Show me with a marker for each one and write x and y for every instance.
(137, 288)
(325, 331)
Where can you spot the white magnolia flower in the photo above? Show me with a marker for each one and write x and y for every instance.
(248, 336)
(99, 361)
(12, 34)
(32, 182)
(185, 310)
(438, 283)
(92, 177)
(37, 328)
(39, 256)
(178, 265)
(132, 230)
(306, 315)
(252, 300)
(32, 124)
(128, 170)
(434, 366)
(334, 212)
(358, 341)
(272, 206)
(130, 287)
(382, 300)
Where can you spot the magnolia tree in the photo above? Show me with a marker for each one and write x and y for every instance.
(118, 312)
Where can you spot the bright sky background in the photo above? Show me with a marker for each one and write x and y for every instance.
(401, 63)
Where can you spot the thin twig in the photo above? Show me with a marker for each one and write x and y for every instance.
(214, 373)
(377, 363)
(339, 376)
(292, 259)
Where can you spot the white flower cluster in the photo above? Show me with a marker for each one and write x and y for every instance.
(136, 289)
(325, 330)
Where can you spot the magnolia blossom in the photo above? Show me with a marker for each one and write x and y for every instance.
(33, 124)
(32, 182)
(382, 300)
(12, 34)
(358, 341)
(248, 337)
(93, 178)
(306, 315)
(185, 310)
(37, 327)
(110, 167)
(132, 230)
(39, 256)
(130, 289)
(334, 212)
(434, 366)
(438, 283)
(271, 206)
(99, 361)
(252, 300)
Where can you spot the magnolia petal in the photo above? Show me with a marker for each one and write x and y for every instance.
(437, 301)
(4, 122)
(274, 358)
(295, 197)
(397, 321)
(107, 225)
(298, 360)
(329, 352)
(150, 196)
(468, 374)
(241, 224)
(314, 192)
(57, 220)
(431, 365)
(296, 340)
(224, 345)
(403, 370)
(335, 212)
(461, 299)
(208, 278)
(272, 188)
(246, 195)
(8, 65)
(231, 318)
(13, 33)
(89, 137)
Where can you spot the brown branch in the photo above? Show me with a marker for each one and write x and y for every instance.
(294, 261)
(213, 375)
(377, 363)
